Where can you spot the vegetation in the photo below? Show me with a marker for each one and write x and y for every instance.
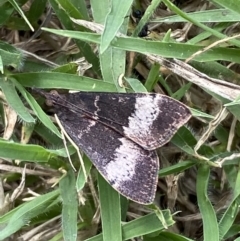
(41, 196)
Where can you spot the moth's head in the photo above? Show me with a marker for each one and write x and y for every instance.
(52, 97)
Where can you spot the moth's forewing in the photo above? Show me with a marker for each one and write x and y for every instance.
(149, 120)
(130, 169)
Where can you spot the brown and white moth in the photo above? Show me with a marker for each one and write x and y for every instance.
(119, 132)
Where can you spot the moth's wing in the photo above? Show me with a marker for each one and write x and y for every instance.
(150, 120)
(128, 168)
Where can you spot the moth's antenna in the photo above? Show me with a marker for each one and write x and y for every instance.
(40, 92)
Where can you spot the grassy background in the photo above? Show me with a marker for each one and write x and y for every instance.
(196, 198)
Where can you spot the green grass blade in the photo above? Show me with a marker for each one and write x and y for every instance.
(185, 140)
(14, 101)
(23, 152)
(136, 85)
(69, 206)
(45, 119)
(230, 4)
(114, 20)
(141, 226)
(146, 224)
(26, 212)
(208, 16)
(64, 10)
(21, 13)
(167, 236)
(110, 211)
(200, 25)
(168, 50)
(11, 56)
(210, 225)
(152, 77)
(112, 61)
(81, 178)
(228, 217)
(52, 80)
(179, 167)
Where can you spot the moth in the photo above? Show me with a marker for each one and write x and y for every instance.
(119, 132)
